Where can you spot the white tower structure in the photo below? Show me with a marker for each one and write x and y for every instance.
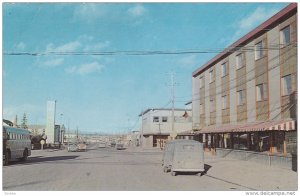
(51, 107)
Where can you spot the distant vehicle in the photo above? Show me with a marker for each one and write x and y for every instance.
(113, 144)
(16, 144)
(120, 146)
(183, 156)
(81, 146)
(102, 145)
(72, 147)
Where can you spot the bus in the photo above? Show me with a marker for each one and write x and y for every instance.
(16, 144)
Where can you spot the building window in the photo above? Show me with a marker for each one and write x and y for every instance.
(240, 97)
(164, 119)
(201, 109)
(224, 102)
(286, 85)
(201, 82)
(212, 105)
(285, 36)
(211, 76)
(239, 61)
(261, 92)
(223, 69)
(155, 119)
(259, 50)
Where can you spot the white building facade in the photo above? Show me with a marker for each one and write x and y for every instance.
(156, 126)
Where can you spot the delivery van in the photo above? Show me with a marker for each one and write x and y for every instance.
(183, 156)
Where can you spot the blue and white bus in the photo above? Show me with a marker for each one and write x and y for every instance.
(16, 144)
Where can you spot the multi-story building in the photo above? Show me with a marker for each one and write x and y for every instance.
(157, 125)
(246, 97)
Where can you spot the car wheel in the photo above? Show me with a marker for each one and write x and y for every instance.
(7, 157)
(173, 173)
(166, 169)
(25, 155)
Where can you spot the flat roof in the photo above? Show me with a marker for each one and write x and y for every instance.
(271, 22)
(166, 109)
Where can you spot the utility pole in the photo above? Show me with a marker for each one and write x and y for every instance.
(142, 129)
(173, 134)
(77, 133)
(159, 124)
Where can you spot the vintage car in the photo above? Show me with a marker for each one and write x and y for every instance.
(113, 144)
(102, 144)
(81, 146)
(120, 146)
(72, 147)
(183, 156)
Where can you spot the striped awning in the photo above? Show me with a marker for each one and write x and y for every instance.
(283, 125)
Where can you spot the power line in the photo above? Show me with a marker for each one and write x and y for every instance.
(237, 78)
(145, 52)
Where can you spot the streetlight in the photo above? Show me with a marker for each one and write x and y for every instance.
(61, 130)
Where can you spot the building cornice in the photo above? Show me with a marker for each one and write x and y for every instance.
(163, 109)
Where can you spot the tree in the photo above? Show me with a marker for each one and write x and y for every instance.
(24, 122)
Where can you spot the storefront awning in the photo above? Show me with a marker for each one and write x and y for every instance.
(284, 125)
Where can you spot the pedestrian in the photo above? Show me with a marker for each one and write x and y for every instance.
(260, 145)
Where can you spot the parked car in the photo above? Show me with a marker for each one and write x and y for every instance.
(102, 145)
(113, 144)
(120, 146)
(72, 147)
(183, 156)
(81, 146)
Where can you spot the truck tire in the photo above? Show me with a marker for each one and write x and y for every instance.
(173, 173)
(7, 157)
(25, 155)
(166, 169)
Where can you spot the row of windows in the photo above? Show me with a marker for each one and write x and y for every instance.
(15, 136)
(261, 94)
(163, 119)
(259, 53)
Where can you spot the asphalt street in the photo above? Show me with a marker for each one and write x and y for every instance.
(136, 169)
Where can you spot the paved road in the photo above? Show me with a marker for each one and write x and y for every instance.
(135, 170)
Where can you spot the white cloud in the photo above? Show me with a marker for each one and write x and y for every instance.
(83, 43)
(68, 47)
(85, 38)
(89, 12)
(85, 69)
(252, 20)
(96, 47)
(53, 62)
(190, 61)
(71, 69)
(20, 46)
(137, 10)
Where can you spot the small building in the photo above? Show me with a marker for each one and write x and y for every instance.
(157, 123)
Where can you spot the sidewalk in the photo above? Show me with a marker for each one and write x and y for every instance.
(250, 174)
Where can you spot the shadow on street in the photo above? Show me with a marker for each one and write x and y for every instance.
(41, 159)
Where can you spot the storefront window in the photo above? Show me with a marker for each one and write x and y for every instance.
(264, 142)
(279, 140)
(240, 141)
(227, 141)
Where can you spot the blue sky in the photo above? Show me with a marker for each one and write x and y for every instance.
(106, 93)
